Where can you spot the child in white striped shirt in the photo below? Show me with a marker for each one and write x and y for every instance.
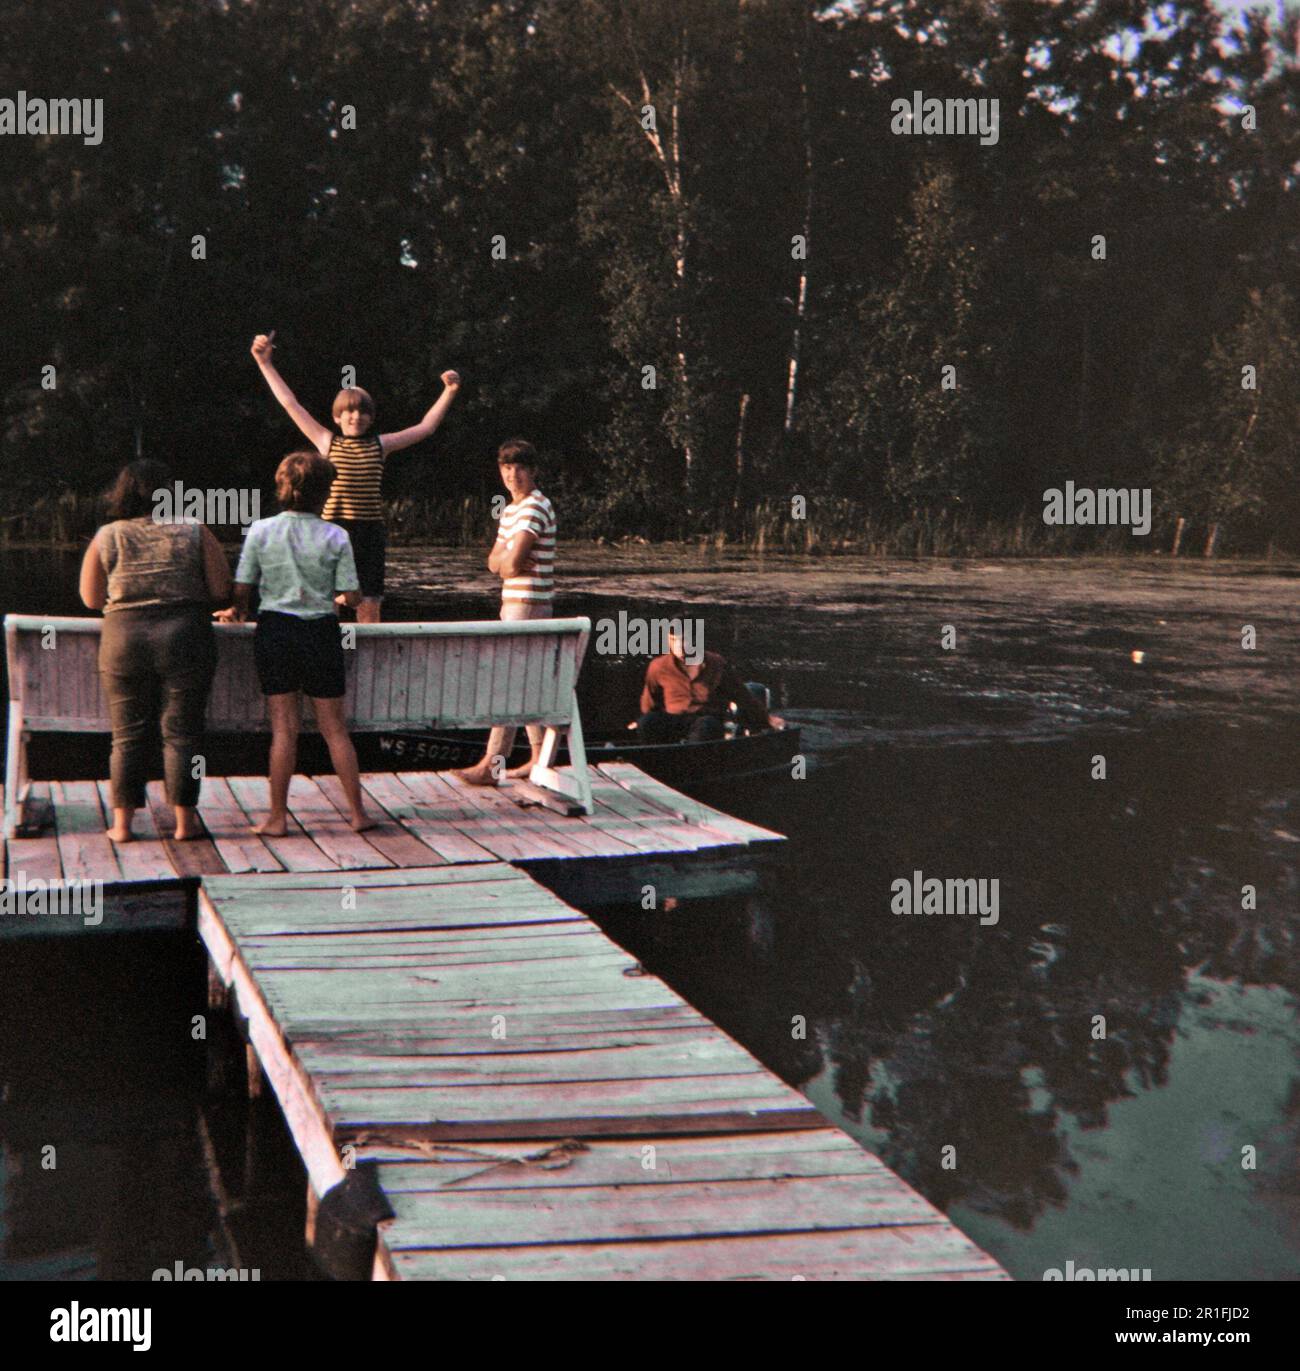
(523, 556)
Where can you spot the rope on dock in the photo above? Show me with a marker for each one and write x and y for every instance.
(550, 1158)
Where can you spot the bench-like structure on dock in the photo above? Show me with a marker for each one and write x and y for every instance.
(449, 675)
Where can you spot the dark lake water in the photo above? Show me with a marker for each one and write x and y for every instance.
(1119, 899)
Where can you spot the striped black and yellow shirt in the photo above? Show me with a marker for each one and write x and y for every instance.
(360, 464)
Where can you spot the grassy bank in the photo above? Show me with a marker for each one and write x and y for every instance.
(831, 526)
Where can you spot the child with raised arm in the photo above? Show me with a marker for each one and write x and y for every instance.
(358, 457)
(303, 567)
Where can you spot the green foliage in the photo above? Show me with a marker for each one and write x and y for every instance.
(523, 119)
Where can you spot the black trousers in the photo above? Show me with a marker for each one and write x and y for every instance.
(660, 727)
(156, 668)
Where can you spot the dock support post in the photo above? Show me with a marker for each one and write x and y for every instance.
(254, 1072)
(1178, 536)
(345, 1224)
(313, 1208)
(218, 992)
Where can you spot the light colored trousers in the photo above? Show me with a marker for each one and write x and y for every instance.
(502, 739)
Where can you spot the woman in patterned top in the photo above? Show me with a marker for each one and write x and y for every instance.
(358, 457)
(156, 581)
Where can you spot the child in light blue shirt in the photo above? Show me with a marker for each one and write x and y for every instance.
(299, 563)
(303, 567)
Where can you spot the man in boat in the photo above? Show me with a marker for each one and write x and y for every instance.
(685, 701)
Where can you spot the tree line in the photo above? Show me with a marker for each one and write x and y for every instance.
(676, 243)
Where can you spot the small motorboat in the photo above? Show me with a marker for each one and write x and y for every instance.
(736, 759)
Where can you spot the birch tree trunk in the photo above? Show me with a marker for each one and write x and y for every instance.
(801, 300)
(669, 158)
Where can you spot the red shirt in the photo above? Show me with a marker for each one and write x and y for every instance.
(706, 688)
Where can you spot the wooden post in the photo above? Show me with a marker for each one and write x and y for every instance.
(218, 995)
(254, 1072)
(1212, 542)
(313, 1204)
(1178, 536)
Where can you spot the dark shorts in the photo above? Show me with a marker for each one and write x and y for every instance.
(298, 654)
(368, 547)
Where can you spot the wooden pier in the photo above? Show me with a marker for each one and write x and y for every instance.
(480, 1083)
(538, 1106)
(640, 832)
(534, 1104)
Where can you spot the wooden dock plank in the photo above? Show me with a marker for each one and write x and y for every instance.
(295, 851)
(194, 857)
(530, 828)
(144, 859)
(459, 875)
(399, 846)
(685, 1209)
(701, 1056)
(699, 1104)
(428, 820)
(508, 836)
(645, 825)
(905, 1252)
(34, 858)
(329, 830)
(755, 1156)
(673, 802)
(85, 851)
(228, 827)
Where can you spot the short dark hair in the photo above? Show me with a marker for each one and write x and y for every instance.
(353, 397)
(131, 496)
(303, 481)
(518, 450)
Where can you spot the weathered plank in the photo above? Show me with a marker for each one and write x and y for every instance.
(289, 1081)
(703, 1104)
(295, 851)
(329, 830)
(34, 858)
(505, 1166)
(687, 1209)
(85, 851)
(672, 802)
(428, 820)
(399, 846)
(145, 858)
(230, 831)
(529, 829)
(933, 1251)
(508, 837)
(701, 1056)
(195, 856)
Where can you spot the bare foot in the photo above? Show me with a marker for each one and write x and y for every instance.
(361, 823)
(477, 775)
(120, 835)
(187, 833)
(273, 826)
(520, 773)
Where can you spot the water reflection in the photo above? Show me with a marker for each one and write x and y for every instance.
(1121, 901)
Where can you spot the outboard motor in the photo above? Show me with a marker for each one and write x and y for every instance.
(759, 691)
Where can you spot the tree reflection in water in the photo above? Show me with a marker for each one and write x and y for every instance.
(935, 1031)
